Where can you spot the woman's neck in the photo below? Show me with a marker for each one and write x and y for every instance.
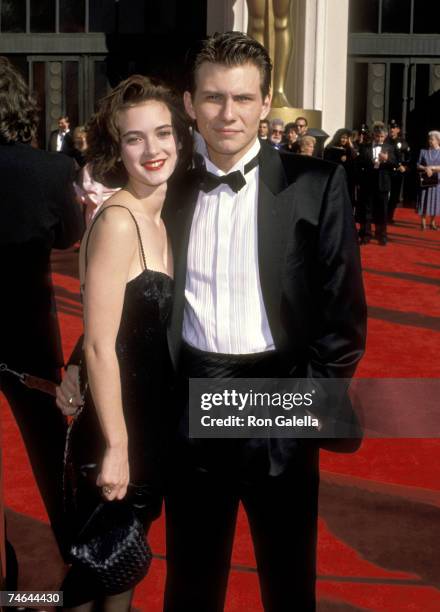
(149, 200)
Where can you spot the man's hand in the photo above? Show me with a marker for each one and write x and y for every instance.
(69, 397)
(383, 157)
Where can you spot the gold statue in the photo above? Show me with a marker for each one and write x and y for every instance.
(259, 19)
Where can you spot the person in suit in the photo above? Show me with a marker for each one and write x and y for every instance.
(38, 213)
(287, 229)
(402, 153)
(276, 133)
(61, 140)
(264, 129)
(376, 162)
(302, 126)
(267, 284)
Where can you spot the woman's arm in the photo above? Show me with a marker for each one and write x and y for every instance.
(111, 249)
(421, 163)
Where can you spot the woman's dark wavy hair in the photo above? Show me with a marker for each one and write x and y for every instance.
(18, 109)
(335, 141)
(103, 136)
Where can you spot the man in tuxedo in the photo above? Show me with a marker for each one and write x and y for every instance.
(61, 140)
(267, 284)
(302, 126)
(376, 162)
(402, 155)
(264, 129)
(276, 133)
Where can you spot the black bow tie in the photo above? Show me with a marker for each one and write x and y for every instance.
(235, 180)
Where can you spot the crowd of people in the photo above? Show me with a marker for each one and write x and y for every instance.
(204, 257)
(376, 163)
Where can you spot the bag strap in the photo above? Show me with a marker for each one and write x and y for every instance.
(89, 520)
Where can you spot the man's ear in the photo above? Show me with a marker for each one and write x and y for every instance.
(266, 105)
(187, 101)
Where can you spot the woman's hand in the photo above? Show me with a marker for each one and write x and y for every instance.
(428, 171)
(69, 397)
(115, 474)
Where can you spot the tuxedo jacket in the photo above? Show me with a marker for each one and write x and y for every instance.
(372, 179)
(38, 212)
(308, 261)
(402, 151)
(67, 146)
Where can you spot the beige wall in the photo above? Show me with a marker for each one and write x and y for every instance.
(318, 73)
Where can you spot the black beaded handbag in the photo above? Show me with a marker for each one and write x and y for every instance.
(112, 547)
(425, 181)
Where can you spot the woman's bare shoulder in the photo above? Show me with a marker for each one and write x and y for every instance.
(115, 215)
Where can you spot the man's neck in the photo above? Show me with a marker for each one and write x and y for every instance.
(226, 162)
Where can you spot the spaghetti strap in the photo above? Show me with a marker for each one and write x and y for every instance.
(141, 246)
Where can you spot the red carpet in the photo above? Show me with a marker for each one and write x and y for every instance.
(380, 508)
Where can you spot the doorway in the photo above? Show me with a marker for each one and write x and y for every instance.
(383, 89)
(66, 85)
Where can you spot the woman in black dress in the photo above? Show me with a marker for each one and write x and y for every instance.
(139, 136)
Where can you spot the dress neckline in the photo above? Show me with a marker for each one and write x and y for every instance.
(151, 271)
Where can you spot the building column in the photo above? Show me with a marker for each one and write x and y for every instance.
(376, 93)
(317, 72)
(320, 61)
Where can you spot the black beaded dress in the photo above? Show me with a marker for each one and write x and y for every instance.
(146, 383)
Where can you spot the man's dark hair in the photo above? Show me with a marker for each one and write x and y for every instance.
(66, 117)
(266, 121)
(303, 119)
(18, 109)
(289, 127)
(233, 49)
(103, 136)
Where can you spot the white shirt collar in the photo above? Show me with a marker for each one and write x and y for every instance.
(201, 148)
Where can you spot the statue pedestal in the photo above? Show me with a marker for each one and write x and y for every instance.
(289, 114)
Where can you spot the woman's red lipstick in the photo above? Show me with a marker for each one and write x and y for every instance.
(154, 164)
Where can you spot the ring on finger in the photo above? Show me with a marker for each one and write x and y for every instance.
(70, 401)
(107, 489)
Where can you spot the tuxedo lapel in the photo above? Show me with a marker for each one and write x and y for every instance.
(274, 220)
(180, 229)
